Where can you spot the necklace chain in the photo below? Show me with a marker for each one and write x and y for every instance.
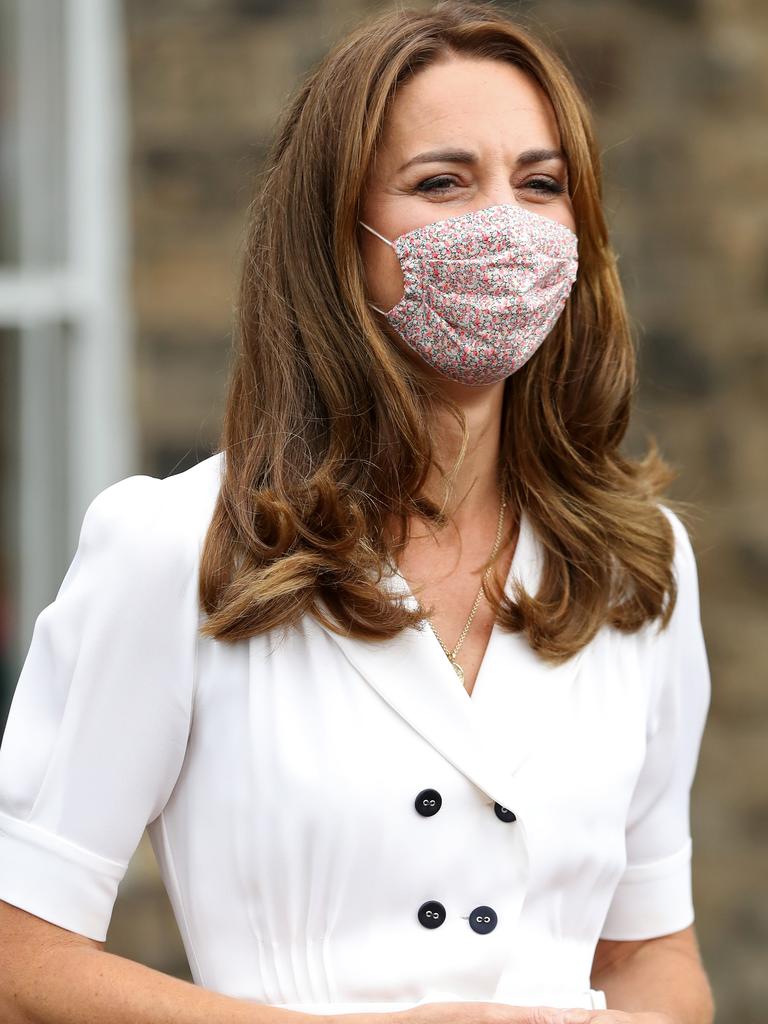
(462, 636)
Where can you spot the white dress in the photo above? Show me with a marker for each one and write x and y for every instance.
(339, 825)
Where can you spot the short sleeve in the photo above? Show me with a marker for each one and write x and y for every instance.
(99, 721)
(654, 894)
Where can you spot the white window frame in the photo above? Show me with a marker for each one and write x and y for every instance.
(89, 292)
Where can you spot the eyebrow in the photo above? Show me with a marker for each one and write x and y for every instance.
(465, 156)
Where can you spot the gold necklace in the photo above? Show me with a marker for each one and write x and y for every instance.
(452, 654)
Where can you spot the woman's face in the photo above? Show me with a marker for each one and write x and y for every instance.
(461, 135)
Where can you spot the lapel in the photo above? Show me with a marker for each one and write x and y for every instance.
(519, 695)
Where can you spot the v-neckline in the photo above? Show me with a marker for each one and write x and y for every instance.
(520, 557)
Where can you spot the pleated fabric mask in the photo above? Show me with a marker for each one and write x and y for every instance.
(482, 290)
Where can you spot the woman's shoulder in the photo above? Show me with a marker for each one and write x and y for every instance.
(679, 529)
(683, 637)
(154, 521)
(684, 558)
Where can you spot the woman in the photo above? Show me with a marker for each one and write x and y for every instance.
(485, 819)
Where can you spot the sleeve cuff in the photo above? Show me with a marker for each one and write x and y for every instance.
(652, 899)
(57, 880)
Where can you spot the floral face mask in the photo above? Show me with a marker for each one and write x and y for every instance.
(482, 290)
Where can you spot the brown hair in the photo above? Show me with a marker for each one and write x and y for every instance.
(326, 429)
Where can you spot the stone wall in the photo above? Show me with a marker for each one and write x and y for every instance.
(679, 89)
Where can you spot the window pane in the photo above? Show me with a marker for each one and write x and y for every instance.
(35, 395)
(9, 199)
(9, 533)
(33, 133)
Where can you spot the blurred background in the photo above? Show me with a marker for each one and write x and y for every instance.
(130, 135)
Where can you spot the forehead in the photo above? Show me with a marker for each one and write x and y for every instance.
(477, 102)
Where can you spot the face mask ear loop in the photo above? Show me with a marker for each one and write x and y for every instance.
(373, 231)
(388, 243)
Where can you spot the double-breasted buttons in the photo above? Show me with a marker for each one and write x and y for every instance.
(428, 802)
(504, 813)
(431, 914)
(483, 920)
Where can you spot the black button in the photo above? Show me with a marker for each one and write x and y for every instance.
(432, 914)
(428, 802)
(504, 813)
(482, 920)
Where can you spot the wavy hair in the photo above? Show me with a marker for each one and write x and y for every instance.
(326, 431)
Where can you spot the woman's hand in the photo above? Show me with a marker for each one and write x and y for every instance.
(503, 1013)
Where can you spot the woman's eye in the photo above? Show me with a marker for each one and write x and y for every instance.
(545, 185)
(439, 184)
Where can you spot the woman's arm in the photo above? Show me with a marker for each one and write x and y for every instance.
(49, 975)
(663, 974)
